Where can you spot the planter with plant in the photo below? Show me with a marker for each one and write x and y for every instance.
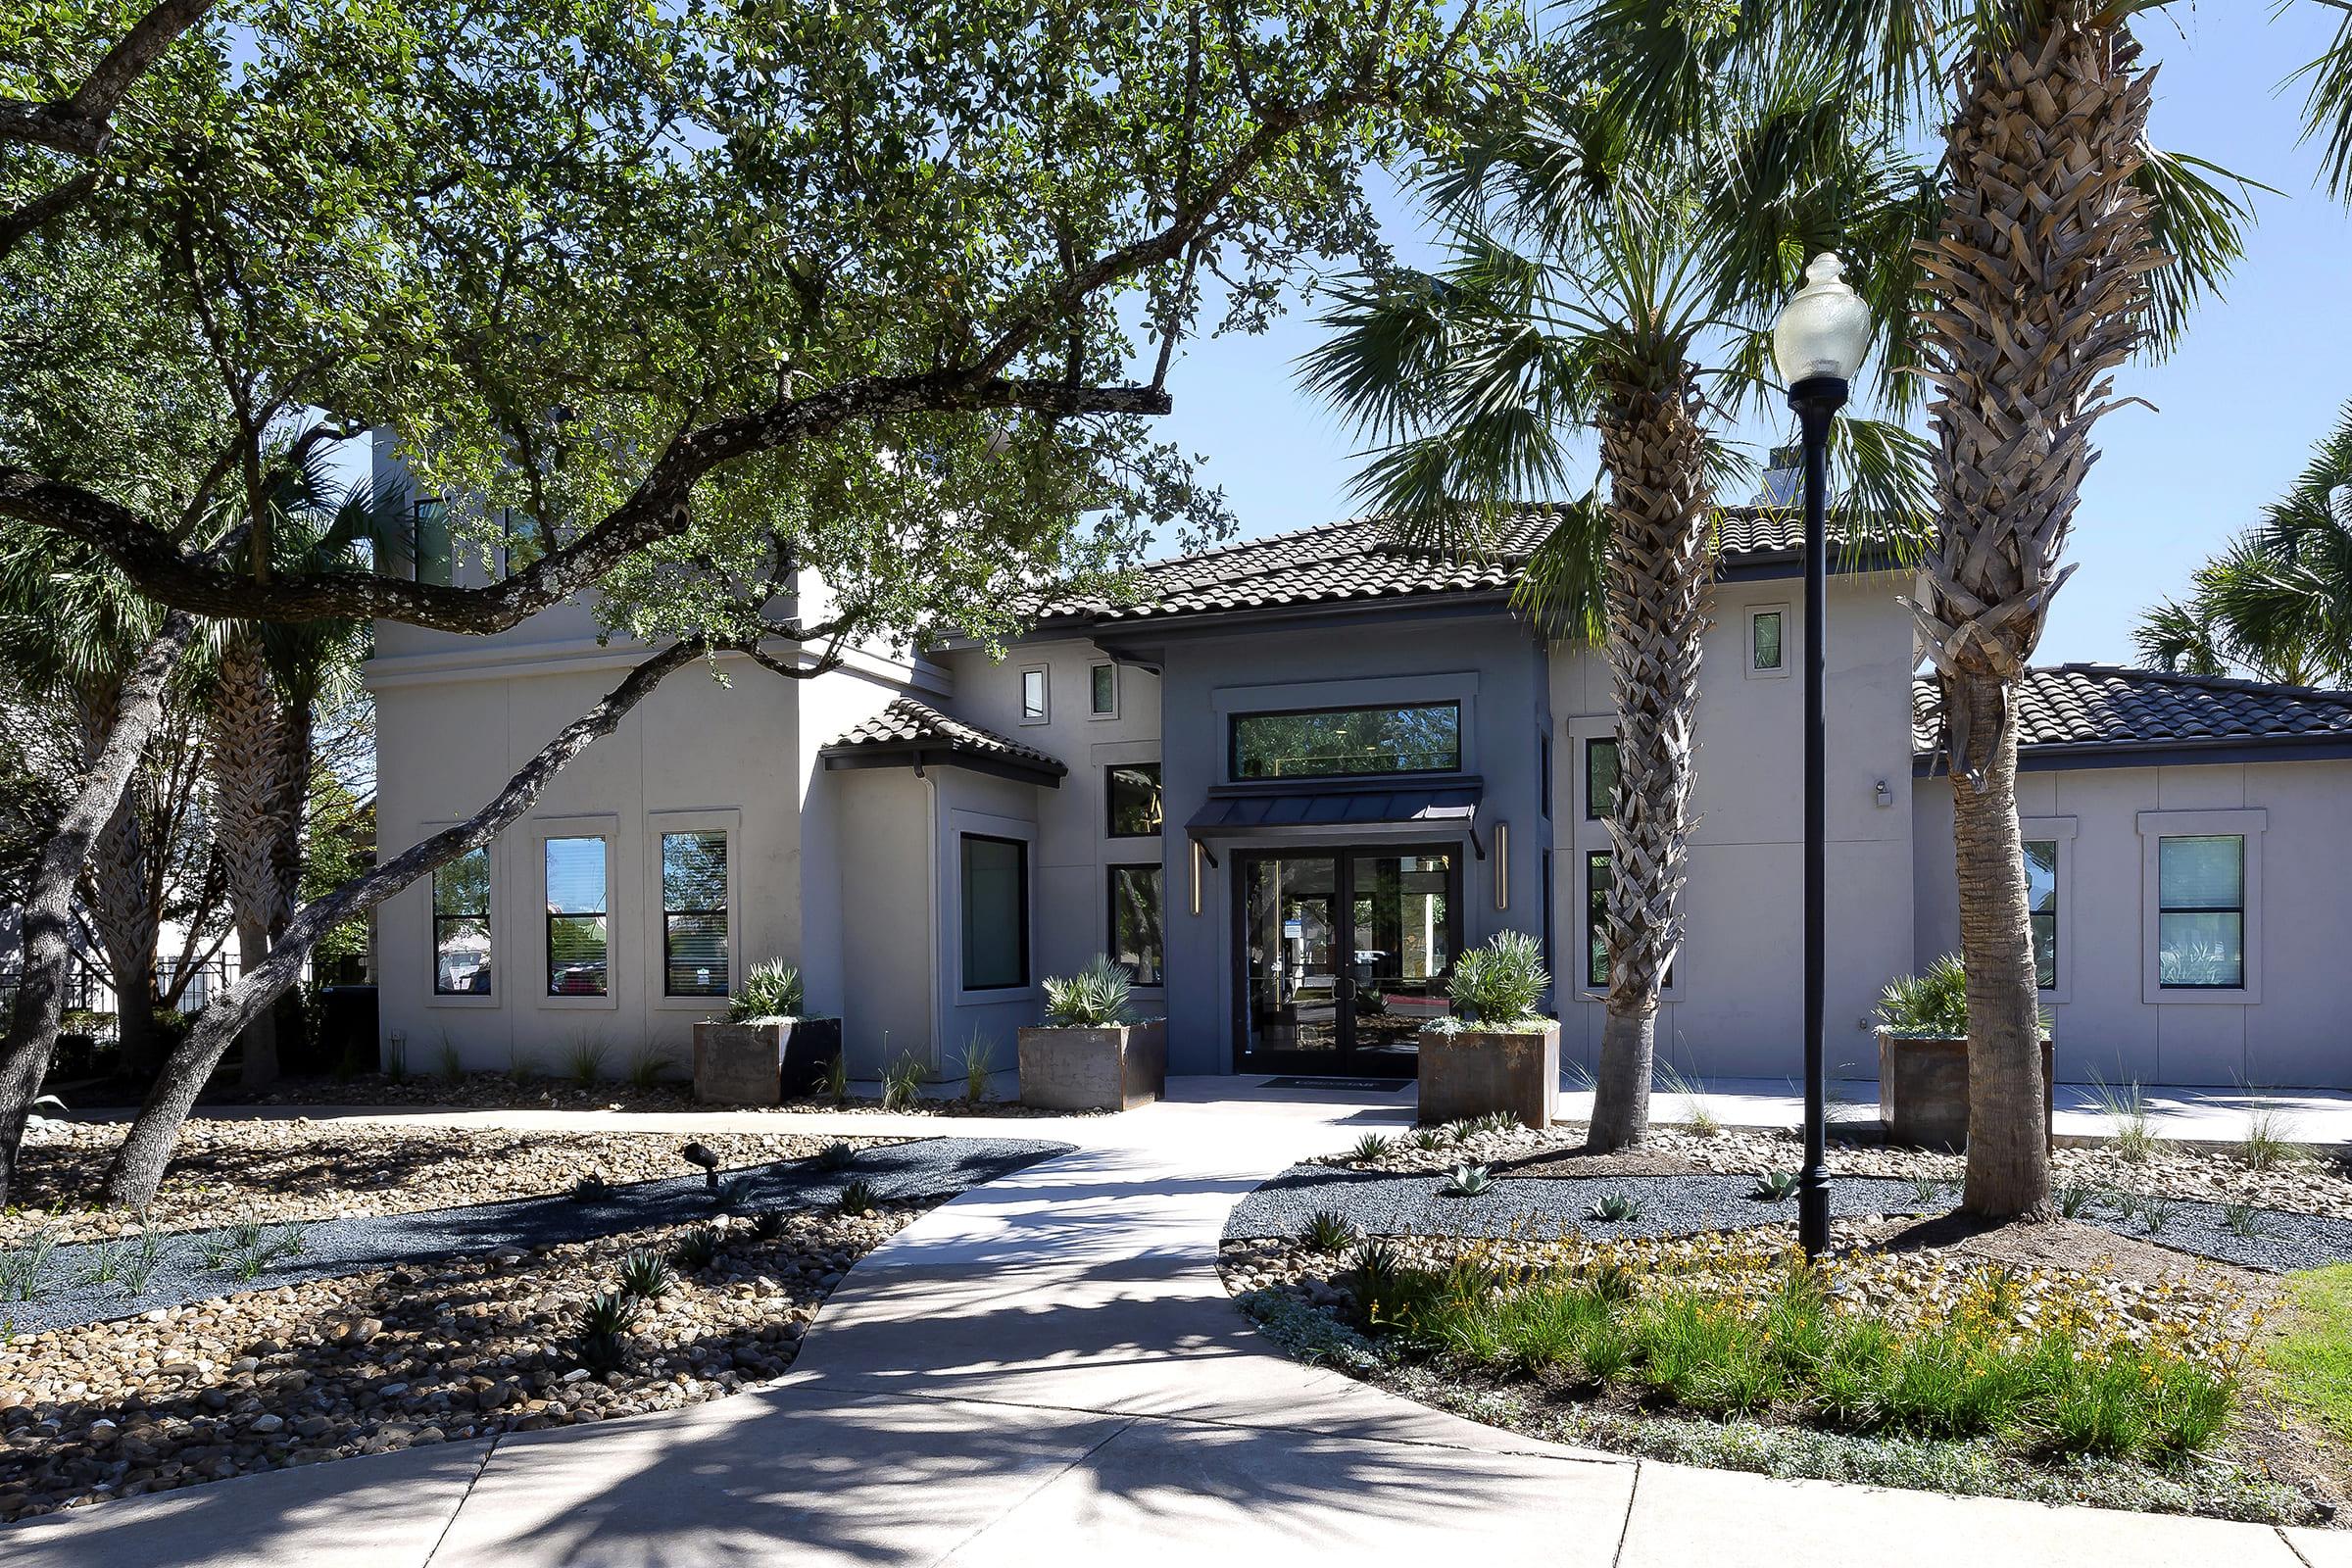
(1496, 1053)
(1092, 1053)
(1923, 1057)
(765, 1051)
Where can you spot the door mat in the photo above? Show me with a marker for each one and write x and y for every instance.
(1373, 1085)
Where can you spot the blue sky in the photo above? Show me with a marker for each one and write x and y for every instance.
(2260, 377)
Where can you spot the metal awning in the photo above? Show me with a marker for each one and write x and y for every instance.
(1442, 806)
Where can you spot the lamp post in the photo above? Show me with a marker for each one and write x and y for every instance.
(1818, 343)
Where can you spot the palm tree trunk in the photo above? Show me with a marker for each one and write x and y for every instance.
(2008, 1151)
(244, 757)
(2038, 276)
(1660, 568)
(45, 919)
(125, 916)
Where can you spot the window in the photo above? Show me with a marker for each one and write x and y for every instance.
(461, 926)
(694, 913)
(1599, 868)
(2042, 899)
(1764, 652)
(1133, 791)
(1343, 741)
(995, 913)
(1134, 926)
(522, 539)
(1601, 778)
(1102, 690)
(1544, 761)
(430, 540)
(1033, 695)
(577, 940)
(2201, 913)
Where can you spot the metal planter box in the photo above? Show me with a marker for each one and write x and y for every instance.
(765, 1063)
(1094, 1069)
(1476, 1073)
(1923, 1089)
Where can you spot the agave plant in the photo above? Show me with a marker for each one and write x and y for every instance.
(1775, 1187)
(1615, 1208)
(1095, 997)
(1467, 1181)
(1328, 1231)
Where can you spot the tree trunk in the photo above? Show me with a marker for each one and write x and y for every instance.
(2038, 277)
(121, 907)
(244, 755)
(2008, 1149)
(138, 1164)
(44, 929)
(1660, 569)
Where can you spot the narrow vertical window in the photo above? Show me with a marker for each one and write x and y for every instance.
(2041, 900)
(433, 553)
(1102, 689)
(2201, 913)
(1033, 696)
(577, 937)
(694, 913)
(1596, 920)
(996, 913)
(1764, 640)
(1135, 942)
(461, 926)
(1601, 778)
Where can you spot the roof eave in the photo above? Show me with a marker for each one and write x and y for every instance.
(921, 755)
(2080, 755)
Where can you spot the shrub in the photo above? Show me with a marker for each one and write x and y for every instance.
(903, 1084)
(1927, 1192)
(1379, 1271)
(603, 1328)
(1370, 1147)
(647, 1067)
(837, 1078)
(1699, 1113)
(979, 1062)
(2126, 1113)
(2075, 1200)
(1428, 1139)
(586, 1060)
(1498, 986)
(1932, 1003)
(857, 1197)
(451, 1065)
(1095, 997)
(836, 1155)
(2266, 1145)
(590, 1188)
(21, 1267)
(771, 990)
(769, 1224)
(645, 1275)
(2243, 1220)
(1328, 1231)
(697, 1249)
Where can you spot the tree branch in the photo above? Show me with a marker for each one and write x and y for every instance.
(28, 218)
(79, 126)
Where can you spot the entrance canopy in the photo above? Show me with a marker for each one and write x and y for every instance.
(1439, 807)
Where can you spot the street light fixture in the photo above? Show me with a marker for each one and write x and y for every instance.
(1818, 343)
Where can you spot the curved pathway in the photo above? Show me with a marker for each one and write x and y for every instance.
(1046, 1371)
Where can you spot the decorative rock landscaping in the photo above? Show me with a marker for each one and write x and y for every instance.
(498, 1091)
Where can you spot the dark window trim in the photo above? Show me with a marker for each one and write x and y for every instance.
(482, 915)
(1110, 912)
(603, 911)
(724, 912)
(1596, 809)
(1544, 761)
(2058, 904)
(1111, 825)
(1780, 644)
(2238, 909)
(1589, 985)
(1112, 712)
(1233, 747)
(963, 891)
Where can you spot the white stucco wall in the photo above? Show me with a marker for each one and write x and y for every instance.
(1736, 1007)
(2290, 1027)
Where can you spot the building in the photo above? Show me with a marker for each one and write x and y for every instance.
(1295, 777)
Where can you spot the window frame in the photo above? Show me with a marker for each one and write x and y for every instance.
(658, 825)
(2246, 825)
(1027, 983)
(1110, 917)
(1748, 651)
(434, 995)
(1045, 694)
(1596, 809)
(1236, 718)
(2059, 830)
(607, 826)
(1112, 712)
(1110, 828)
(1586, 986)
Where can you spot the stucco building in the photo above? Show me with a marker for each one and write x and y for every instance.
(1289, 782)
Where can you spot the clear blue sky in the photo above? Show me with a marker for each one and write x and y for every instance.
(2260, 377)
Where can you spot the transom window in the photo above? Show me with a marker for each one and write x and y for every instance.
(694, 913)
(996, 913)
(1132, 790)
(1134, 924)
(461, 926)
(2041, 900)
(578, 938)
(2201, 913)
(1347, 742)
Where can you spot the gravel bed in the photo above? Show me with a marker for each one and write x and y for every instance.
(498, 1091)
(904, 1172)
(305, 1170)
(461, 1348)
(1688, 1204)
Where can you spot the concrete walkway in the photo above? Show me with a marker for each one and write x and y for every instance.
(1048, 1371)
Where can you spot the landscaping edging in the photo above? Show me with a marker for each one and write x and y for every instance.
(893, 1173)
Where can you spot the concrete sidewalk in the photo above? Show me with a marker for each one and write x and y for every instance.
(1048, 1371)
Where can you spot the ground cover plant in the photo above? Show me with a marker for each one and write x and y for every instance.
(2310, 1354)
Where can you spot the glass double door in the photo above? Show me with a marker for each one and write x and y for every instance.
(1342, 956)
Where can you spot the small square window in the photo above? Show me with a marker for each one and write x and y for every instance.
(1102, 690)
(1766, 655)
(1033, 695)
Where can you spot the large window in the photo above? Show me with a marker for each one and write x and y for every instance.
(1133, 924)
(1601, 778)
(2042, 899)
(461, 926)
(996, 913)
(2201, 913)
(1343, 742)
(578, 941)
(694, 913)
(1133, 792)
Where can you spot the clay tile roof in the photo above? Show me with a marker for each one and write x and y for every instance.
(1339, 562)
(2090, 706)
(906, 725)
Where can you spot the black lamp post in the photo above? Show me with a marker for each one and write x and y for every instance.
(1818, 343)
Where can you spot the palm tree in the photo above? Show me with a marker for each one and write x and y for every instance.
(1600, 281)
(2047, 269)
(2277, 601)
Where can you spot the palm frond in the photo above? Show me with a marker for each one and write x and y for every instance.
(2199, 218)
(2178, 639)
(1563, 586)
(2328, 107)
